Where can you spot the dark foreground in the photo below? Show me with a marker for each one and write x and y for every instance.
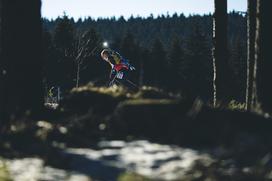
(110, 134)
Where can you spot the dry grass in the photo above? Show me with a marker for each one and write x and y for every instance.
(4, 174)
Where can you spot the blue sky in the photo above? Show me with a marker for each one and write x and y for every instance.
(109, 8)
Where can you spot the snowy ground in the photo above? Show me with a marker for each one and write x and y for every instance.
(33, 169)
(109, 160)
(149, 159)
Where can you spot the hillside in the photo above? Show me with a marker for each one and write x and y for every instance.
(146, 30)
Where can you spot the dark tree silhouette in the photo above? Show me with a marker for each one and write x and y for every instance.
(64, 42)
(199, 64)
(238, 67)
(175, 59)
(127, 45)
(21, 62)
(263, 54)
(158, 64)
(0, 27)
(130, 50)
(221, 84)
(2, 111)
(144, 57)
(50, 69)
(251, 33)
(64, 34)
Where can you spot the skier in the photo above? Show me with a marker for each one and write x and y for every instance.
(120, 68)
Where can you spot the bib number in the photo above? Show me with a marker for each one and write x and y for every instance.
(120, 75)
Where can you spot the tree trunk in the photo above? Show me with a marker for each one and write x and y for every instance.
(78, 73)
(0, 29)
(251, 34)
(141, 76)
(264, 55)
(220, 65)
(1, 67)
(21, 62)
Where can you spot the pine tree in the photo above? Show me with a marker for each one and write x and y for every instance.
(175, 59)
(64, 42)
(116, 43)
(64, 35)
(199, 63)
(50, 69)
(158, 65)
(49, 57)
(144, 59)
(128, 45)
(131, 51)
(239, 68)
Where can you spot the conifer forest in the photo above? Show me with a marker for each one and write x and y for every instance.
(157, 98)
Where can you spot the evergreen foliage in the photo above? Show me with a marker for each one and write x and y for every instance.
(172, 52)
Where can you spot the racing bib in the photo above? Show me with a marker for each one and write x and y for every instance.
(120, 75)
